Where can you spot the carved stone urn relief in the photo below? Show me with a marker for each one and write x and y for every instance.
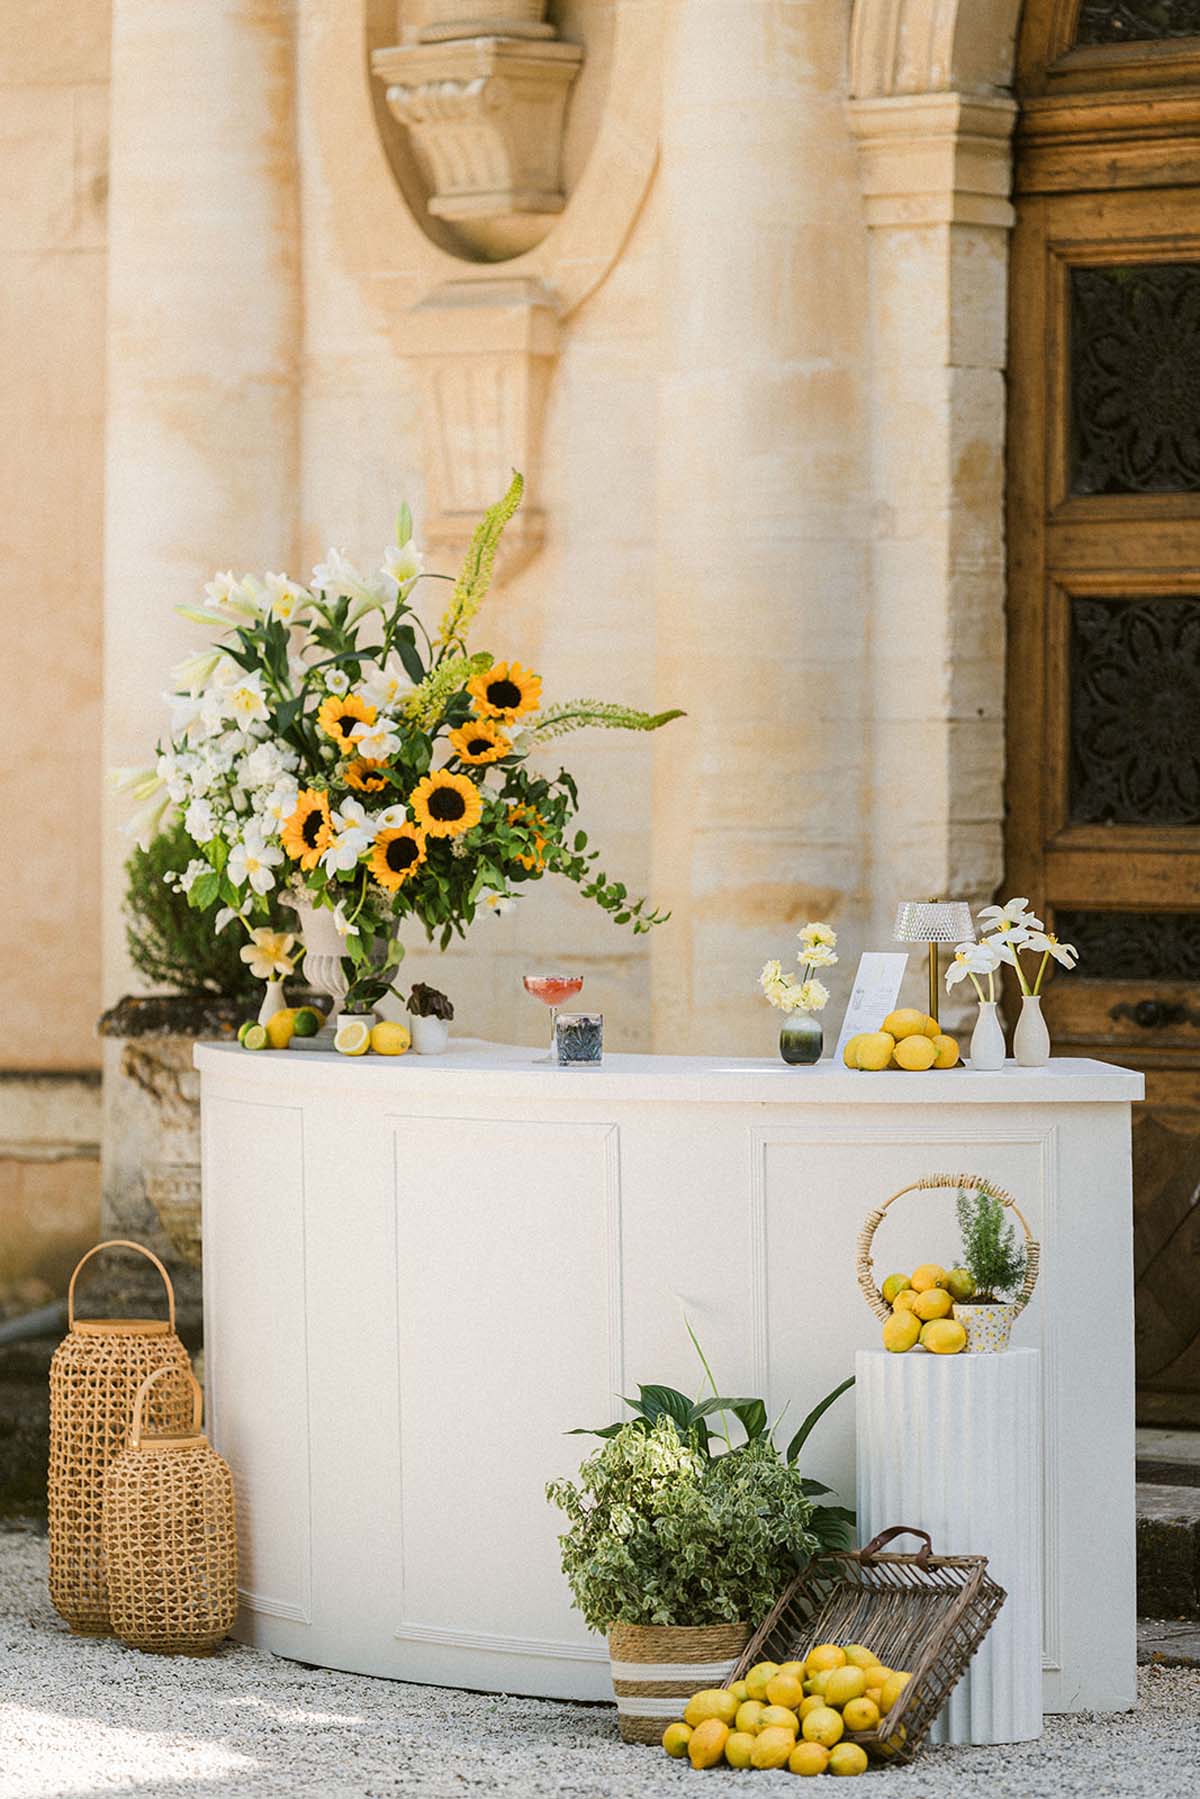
(522, 135)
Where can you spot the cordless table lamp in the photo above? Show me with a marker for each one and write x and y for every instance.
(934, 922)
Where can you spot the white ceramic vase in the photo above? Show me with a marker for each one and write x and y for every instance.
(1031, 1039)
(987, 1326)
(272, 1001)
(987, 1039)
(429, 1035)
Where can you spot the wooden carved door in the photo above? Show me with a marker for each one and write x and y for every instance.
(1104, 594)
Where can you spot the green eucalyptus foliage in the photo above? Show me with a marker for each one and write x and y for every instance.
(989, 1242)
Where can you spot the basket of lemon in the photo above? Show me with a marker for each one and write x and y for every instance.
(852, 1665)
(942, 1309)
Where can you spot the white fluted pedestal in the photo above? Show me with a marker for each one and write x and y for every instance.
(953, 1444)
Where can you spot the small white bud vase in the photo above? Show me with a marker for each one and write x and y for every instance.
(1031, 1039)
(272, 1001)
(987, 1039)
(429, 1035)
(988, 1327)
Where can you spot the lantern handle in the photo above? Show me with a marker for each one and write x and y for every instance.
(121, 1243)
(137, 1426)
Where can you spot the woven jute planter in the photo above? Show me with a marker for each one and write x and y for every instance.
(657, 1667)
(94, 1378)
(170, 1533)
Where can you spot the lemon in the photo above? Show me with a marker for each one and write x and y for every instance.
(894, 1284)
(748, 1718)
(946, 1049)
(860, 1714)
(308, 1021)
(929, 1274)
(824, 1657)
(960, 1283)
(353, 1038)
(707, 1743)
(856, 1653)
(739, 1747)
(875, 1695)
(809, 1704)
(772, 1748)
(844, 1684)
(932, 1027)
(874, 1050)
(817, 1683)
(944, 1336)
(389, 1038)
(935, 1302)
(779, 1717)
(904, 1302)
(255, 1038)
(893, 1686)
(738, 1689)
(757, 1678)
(785, 1689)
(280, 1027)
(907, 1022)
(824, 1726)
(848, 1758)
(901, 1331)
(796, 1668)
(675, 1740)
(808, 1758)
(915, 1054)
(849, 1051)
(712, 1702)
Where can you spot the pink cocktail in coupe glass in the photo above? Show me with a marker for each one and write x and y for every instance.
(553, 990)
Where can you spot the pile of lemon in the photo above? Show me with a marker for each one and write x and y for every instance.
(793, 1715)
(921, 1304)
(906, 1039)
(354, 1038)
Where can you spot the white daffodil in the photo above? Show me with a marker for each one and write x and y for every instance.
(813, 996)
(287, 600)
(498, 904)
(1048, 944)
(341, 924)
(818, 932)
(384, 684)
(269, 953)
(816, 955)
(199, 822)
(403, 562)
(377, 742)
(353, 835)
(1012, 915)
(253, 860)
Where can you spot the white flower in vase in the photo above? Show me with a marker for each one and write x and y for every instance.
(813, 996)
(269, 953)
(816, 955)
(972, 960)
(817, 932)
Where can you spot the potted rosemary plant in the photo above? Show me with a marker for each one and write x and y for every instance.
(996, 1264)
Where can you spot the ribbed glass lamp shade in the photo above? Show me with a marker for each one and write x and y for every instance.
(934, 921)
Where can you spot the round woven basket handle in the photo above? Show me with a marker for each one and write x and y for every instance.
(137, 1425)
(898, 1530)
(121, 1243)
(970, 1183)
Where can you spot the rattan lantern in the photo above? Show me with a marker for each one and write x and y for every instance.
(170, 1535)
(94, 1378)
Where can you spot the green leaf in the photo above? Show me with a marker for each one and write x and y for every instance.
(658, 1402)
(814, 1417)
(406, 649)
(204, 890)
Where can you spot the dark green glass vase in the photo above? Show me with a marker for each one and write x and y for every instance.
(801, 1039)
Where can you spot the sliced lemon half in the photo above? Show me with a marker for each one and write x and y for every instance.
(353, 1039)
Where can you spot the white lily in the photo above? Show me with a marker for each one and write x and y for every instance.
(269, 953)
(195, 672)
(253, 860)
(384, 684)
(140, 784)
(375, 742)
(403, 562)
(245, 701)
(287, 599)
(354, 833)
(337, 578)
(341, 924)
(230, 598)
(1063, 953)
(391, 817)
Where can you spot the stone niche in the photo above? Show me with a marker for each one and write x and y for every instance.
(481, 88)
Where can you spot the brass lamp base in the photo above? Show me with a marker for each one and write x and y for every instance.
(933, 982)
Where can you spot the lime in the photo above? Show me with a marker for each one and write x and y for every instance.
(306, 1023)
(243, 1028)
(255, 1038)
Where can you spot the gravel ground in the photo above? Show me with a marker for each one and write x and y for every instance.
(81, 1718)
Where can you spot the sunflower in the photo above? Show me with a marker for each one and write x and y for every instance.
(398, 854)
(306, 835)
(367, 777)
(339, 714)
(480, 740)
(532, 821)
(505, 691)
(446, 805)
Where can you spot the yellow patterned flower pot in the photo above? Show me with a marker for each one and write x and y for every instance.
(987, 1326)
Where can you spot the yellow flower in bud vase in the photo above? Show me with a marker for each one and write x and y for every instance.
(480, 740)
(307, 833)
(445, 805)
(505, 691)
(367, 777)
(338, 715)
(398, 854)
(269, 954)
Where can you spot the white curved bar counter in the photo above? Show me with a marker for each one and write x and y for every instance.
(421, 1272)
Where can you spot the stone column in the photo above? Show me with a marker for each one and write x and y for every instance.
(762, 510)
(203, 359)
(935, 176)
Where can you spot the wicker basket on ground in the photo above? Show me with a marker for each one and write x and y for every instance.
(170, 1534)
(657, 1667)
(926, 1614)
(94, 1377)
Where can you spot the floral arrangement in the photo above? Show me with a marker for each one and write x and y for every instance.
(328, 748)
(804, 992)
(1009, 932)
